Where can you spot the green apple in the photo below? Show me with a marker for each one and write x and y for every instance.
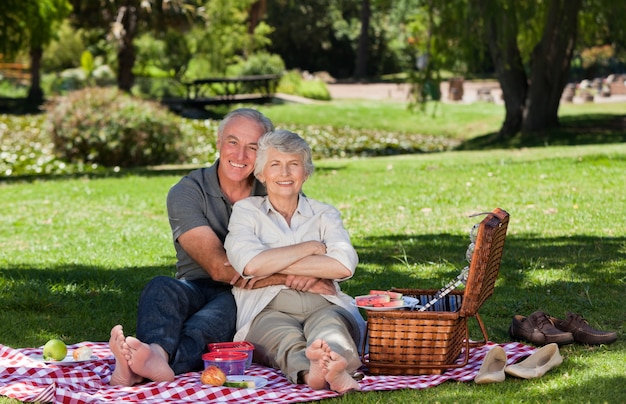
(54, 350)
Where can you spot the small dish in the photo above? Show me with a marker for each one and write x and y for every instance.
(258, 380)
(408, 303)
(68, 360)
(374, 308)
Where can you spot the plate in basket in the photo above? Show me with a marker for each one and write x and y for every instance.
(409, 302)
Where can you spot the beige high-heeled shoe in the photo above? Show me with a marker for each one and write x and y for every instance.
(536, 365)
(492, 368)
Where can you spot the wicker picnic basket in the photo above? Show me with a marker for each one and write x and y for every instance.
(410, 342)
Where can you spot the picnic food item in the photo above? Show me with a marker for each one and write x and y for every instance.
(371, 300)
(392, 295)
(245, 384)
(392, 303)
(82, 354)
(213, 375)
(380, 298)
(54, 350)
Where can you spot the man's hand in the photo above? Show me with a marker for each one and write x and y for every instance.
(309, 284)
(295, 282)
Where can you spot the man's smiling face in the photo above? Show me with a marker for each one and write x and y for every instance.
(237, 147)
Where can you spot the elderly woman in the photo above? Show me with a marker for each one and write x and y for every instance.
(311, 338)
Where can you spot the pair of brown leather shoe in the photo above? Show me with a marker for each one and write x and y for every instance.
(541, 329)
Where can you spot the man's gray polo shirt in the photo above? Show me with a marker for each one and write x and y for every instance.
(197, 200)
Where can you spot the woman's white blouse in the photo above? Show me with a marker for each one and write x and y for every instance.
(256, 226)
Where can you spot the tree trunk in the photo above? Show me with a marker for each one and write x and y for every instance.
(126, 51)
(502, 40)
(257, 10)
(34, 99)
(360, 69)
(550, 63)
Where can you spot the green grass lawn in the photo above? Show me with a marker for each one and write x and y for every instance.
(76, 251)
(80, 250)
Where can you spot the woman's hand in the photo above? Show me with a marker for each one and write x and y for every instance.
(318, 248)
(310, 284)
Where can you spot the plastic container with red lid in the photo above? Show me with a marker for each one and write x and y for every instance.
(231, 362)
(237, 346)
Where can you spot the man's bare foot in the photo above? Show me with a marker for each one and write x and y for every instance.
(149, 361)
(337, 377)
(318, 354)
(122, 374)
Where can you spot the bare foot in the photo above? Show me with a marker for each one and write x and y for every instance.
(318, 354)
(122, 374)
(149, 361)
(337, 377)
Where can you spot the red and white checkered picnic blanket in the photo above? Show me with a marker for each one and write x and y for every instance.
(25, 377)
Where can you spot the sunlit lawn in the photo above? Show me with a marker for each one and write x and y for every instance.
(76, 251)
(80, 250)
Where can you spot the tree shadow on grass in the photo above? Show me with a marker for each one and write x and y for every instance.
(584, 274)
(598, 389)
(76, 302)
(576, 130)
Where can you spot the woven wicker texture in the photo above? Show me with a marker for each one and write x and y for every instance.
(406, 342)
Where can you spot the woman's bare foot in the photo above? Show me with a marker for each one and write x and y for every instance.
(149, 361)
(337, 377)
(122, 374)
(318, 354)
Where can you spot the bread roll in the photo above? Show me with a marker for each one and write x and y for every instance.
(82, 354)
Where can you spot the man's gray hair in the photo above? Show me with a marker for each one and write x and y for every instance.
(247, 113)
(285, 142)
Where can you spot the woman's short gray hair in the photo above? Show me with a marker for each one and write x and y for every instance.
(247, 113)
(285, 142)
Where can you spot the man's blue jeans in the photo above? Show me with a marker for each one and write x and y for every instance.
(183, 316)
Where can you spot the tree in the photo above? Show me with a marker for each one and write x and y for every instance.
(233, 32)
(531, 101)
(315, 35)
(30, 25)
(126, 19)
(348, 39)
(531, 45)
(360, 70)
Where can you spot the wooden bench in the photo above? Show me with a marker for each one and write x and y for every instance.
(229, 90)
(15, 72)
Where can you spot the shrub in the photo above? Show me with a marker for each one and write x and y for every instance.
(111, 128)
(257, 64)
(293, 83)
(315, 89)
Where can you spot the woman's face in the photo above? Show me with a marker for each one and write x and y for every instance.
(283, 174)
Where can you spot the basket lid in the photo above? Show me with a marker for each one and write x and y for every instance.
(485, 263)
